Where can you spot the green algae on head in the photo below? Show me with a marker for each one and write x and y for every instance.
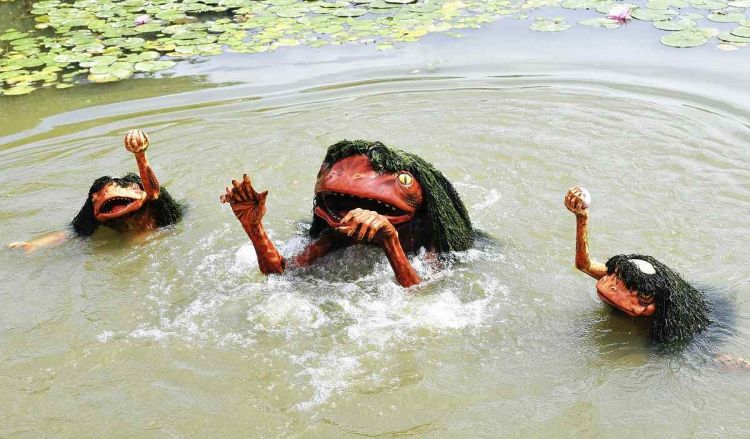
(681, 310)
(445, 212)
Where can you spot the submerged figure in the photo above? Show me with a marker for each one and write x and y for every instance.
(639, 285)
(366, 193)
(130, 203)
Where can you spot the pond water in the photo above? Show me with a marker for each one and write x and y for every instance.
(179, 335)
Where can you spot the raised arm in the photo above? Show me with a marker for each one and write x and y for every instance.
(137, 142)
(577, 200)
(249, 207)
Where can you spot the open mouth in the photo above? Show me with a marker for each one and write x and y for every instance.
(337, 205)
(115, 205)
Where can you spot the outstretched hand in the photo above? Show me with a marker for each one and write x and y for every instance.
(363, 224)
(248, 205)
(24, 245)
(577, 200)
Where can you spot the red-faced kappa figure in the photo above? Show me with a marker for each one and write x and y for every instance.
(639, 285)
(366, 193)
(131, 203)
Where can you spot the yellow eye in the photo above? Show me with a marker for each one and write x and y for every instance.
(405, 179)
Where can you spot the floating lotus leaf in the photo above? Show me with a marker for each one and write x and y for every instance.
(708, 4)
(20, 89)
(742, 31)
(600, 22)
(605, 7)
(105, 77)
(21, 76)
(674, 25)
(685, 38)
(12, 34)
(172, 16)
(25, 63)
(71, 57)
(349, 12)
(550, 25)
(653, 14)
(731, 38)
(582, 4)
(154, 66)
(723, 17)
(401, 2)
(121, 70)
(103, 60)
(380, 4)
(740, 3)
(149, 28)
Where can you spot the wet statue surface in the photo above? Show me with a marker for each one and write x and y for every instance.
(366, 193)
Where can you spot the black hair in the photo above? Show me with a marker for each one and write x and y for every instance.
(165, 209)
(445, 213)
(681, 310)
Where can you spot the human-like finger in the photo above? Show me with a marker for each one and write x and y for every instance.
(364, 228)
(238, 192)
(228, 196)
(374, 227)
(348, 217)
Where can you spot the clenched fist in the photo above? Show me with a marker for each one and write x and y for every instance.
(136, 141)
(577, 200)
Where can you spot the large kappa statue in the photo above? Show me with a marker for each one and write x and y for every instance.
(366, 193)
(132, 203)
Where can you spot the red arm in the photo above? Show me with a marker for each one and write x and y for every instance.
(575, 201)
(249, 207)
(137, 142)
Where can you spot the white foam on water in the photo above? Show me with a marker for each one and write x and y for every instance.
(345, 310)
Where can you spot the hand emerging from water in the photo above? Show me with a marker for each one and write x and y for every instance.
(363, 224)
(248, 206)
(577, 200)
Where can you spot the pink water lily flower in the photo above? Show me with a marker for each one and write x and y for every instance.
(143, 19)
(620, 13)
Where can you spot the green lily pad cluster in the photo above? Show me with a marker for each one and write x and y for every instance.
(80, 41)
(681, 18)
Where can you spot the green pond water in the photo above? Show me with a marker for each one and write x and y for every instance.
(179, 335)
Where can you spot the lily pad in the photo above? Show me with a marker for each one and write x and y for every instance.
(18, 90)
(742, 31)
(674, 25)
(149, 28)
(354, 12)
(557, 24)
(685, 38)
(11, 35)
(601, 22)
(154, 66)
(731, 38)
(582, 4)
(723, 17)
(653, 14)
